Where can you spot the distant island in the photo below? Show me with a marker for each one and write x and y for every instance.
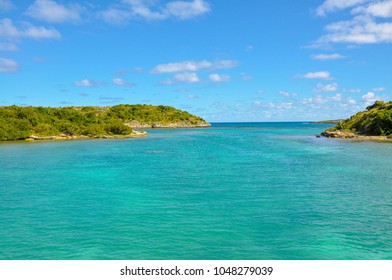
(329, 121)
(47, 123)
(373, 124)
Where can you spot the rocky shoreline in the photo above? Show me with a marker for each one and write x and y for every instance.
(136, 124)
(136, 134)
(353, 136)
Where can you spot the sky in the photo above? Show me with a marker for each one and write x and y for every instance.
(226, 61)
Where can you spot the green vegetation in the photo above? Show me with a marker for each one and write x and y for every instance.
(375, 121)
(18, 123)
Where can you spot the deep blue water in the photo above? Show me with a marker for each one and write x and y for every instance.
(231, 191)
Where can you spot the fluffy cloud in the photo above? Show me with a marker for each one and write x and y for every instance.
(115, 16)
(8, 65)
(182, 66)
(287, 94)
(352, 90)
(86, 83)
(186, 77)
(193, 66)
(219, 78)
(379, 89)
(360, 30)
(9, 30)
(379, 9)
(121, 82)
(336, 5)
(8, 47)
(315, 75)
(370, 23)
(186, 10)
(153, 10)
(333, 56)
(319, 100)
(370, 97)
(51, 11)
(6, 5)
(326, 88)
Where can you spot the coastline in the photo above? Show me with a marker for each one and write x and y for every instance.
(136, 124)
(352, 136)
(62, 137)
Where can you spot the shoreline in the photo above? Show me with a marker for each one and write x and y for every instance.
(63, 137)
(352, 136)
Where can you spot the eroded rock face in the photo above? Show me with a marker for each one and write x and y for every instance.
(136, 124)
(338, 134)
(71, 137)
(353, 136)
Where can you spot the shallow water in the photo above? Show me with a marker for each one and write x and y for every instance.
(231, 191)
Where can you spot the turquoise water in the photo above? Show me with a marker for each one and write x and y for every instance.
(232, 191)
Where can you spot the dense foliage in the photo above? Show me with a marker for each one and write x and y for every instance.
(376, 120)
(21, 122)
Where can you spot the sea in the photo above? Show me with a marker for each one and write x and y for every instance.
(233, 191)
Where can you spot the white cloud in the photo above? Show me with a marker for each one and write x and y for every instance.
(186, 77)
(8, 47)
(86, 83)
(121, 82)
(280, 106)
(225, 64)
(219, 78)
(370, 98)
(335, 101)
(193, 66)
(115, 16)
(142, 8)
(379, 9)
(186, 10)
(182, 66)
(8, 65)
(315, 75)
(336, 5)
(6, 5)
(9, 30)
(379, 89)
(51, 11)
(246, 77)
(326, 88)
(359, 30)
(333, 56)
(153, 10)
(287, 94)
(336, 97)
(352, 90)
(192, 96)
(351, 101)
(364, 28)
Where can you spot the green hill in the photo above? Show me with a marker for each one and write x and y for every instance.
(19, 123)
(375, 121)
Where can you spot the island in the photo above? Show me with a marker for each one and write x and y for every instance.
(84, 122)
(375, 123)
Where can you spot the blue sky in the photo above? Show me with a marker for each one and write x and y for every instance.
(230, 60)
